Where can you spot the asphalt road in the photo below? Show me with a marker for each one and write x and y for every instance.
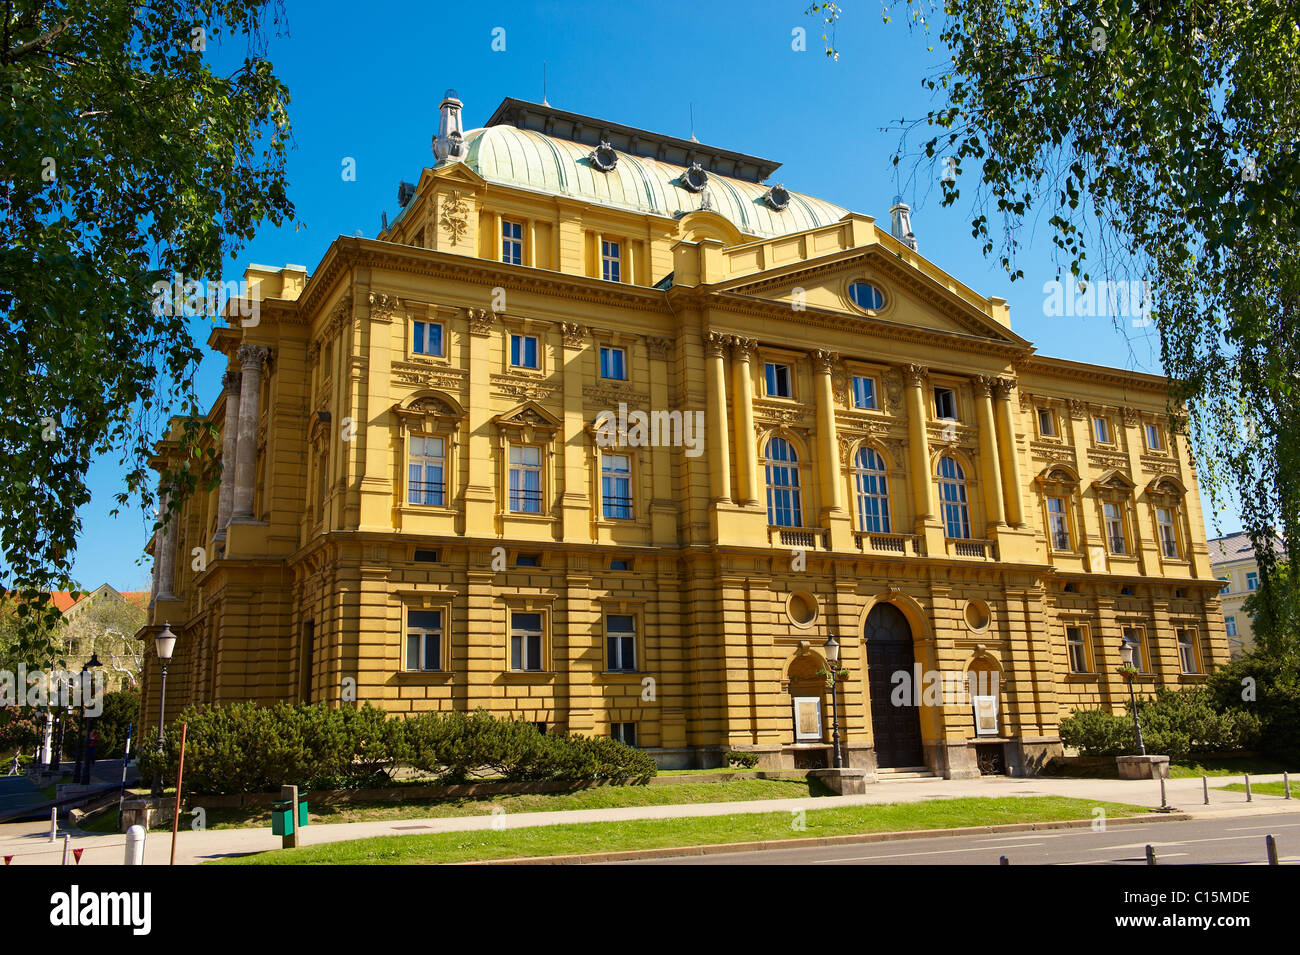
(1221, 841)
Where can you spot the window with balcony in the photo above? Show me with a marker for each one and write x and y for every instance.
(427, 468)
(952, 497)
(1115, 536)
(1058, 524)
(872, 486)
(525, 479)
(1168, 532)
(784, 490)
(616, 486)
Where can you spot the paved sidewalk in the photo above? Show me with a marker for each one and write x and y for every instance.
(29, 842)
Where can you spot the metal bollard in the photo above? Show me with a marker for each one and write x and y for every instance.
(1151, 856)
(1248, 797)
(1271, 845)
(1205, 785)
(135, 845)
(1164, 801)
(66, 840)
(1286, 786)
(54, 823)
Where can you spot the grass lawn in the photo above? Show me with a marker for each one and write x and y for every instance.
(1255, 765)
(1267, 789)
(597, 797)
(490, 844)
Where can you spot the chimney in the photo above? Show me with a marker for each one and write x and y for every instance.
(900, 223)
(449, 144)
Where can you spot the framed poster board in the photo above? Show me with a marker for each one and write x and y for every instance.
(986, 715)
(807, 719)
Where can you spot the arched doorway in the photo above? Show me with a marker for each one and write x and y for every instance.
(896, 730)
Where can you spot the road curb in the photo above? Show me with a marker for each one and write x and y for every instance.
(631, 855)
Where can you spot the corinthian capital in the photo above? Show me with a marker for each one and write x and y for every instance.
(230, 382)
(743, 348)
(915, 375)
(715, 344)
(253, 356)
(824, 361)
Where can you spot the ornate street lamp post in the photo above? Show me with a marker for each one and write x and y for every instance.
(163, 644)
(81, 771)
(1129, 671)
(833, 676)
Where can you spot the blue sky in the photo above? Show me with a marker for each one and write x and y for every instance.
(366, 81)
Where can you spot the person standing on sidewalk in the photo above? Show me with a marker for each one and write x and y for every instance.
(13, 766)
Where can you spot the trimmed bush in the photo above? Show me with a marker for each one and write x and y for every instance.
(736, 757)
(1175, 723)
(249, 748)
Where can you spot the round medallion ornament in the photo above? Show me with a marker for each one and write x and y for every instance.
(603, 157)
(777, 197)
(695, 178)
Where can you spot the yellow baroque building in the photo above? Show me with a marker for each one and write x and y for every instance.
(606, 432)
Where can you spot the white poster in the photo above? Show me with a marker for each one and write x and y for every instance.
(808, 718)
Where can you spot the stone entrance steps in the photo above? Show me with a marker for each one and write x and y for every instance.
(904, 774)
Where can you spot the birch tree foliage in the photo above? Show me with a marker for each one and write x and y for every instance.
(125, 160)
(1148, 139)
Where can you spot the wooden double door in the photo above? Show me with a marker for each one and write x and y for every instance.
(896, 730)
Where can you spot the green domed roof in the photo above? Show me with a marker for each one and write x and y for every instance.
(532, 160)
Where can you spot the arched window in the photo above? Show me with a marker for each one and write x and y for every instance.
(872, 487)
(952, 495)
(784, 497)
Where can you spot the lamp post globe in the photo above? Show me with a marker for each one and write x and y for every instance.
(164, 645)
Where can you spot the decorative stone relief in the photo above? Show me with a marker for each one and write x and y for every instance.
(658, 347)
(454, 216)
(382, 306)
(575, 335)
(481, 321)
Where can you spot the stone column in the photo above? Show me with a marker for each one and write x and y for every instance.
(715, 350)
(827, 442)
(251, 359)
(990, 464)
(918, 441)
(742, 352)
(1012, 493)
(229, 437)
(166, 560)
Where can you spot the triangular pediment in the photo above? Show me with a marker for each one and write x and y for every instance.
(908, 295)
(528, 415)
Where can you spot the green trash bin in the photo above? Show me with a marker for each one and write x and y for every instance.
(282, 817)
(302, 807)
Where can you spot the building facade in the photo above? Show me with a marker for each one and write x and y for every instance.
(606, 432)
(1233, 562)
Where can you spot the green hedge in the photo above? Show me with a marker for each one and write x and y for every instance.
(1175, 723)
(249, 748)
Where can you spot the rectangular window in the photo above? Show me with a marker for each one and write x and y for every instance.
(1101, 430)
(525, 641)
(1227, 585)
(1154, 441)
(426, 338)
(620, 563)
(1168, 534)
(1133, 637)
(620, 642)
(623, 732)
(525, 479)
(616, 486)
(778, 380)
(523, 351)
(1187, 650)
(427, 470)
(864, 392)
(1058, 525)
(528, 560)
(1077, 644)
(1252, 580)
(945, 403)
(613, 363)
(1046, 423)
(512, 242)
(424, 640)
(1115, 528)
(426, 556)
(610, 260)
(1232, 625)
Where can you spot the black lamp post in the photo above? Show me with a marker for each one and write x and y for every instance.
(163, 644)
(1126, 656)
(832, 648)
(81, 771)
